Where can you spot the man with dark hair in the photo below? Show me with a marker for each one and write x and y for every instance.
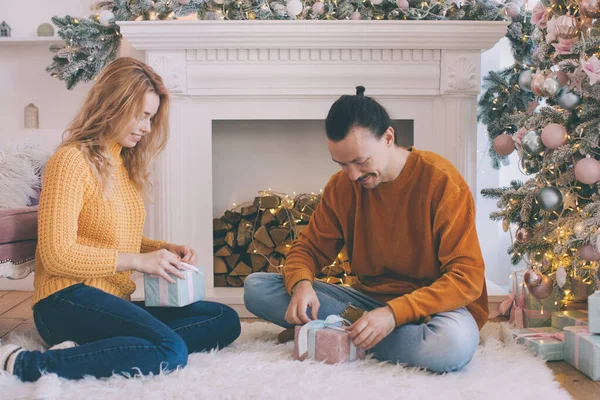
(407, 219)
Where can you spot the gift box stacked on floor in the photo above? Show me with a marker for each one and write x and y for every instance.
(594, 312)
(160, 293)
(538, 313)
(562, 319)
(582, 350)
(325, 341)
(546, 343)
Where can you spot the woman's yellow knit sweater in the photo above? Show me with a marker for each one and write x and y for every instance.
(80, 231)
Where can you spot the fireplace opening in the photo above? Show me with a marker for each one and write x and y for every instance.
(267, 180)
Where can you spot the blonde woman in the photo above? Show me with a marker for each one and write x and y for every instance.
(91, 217)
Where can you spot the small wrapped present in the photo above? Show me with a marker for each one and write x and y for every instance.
(325, 341)
(160, 293)
(538, 313)
(594, 312)
(543, 342)
(513, 304)
(581, 290)
(582, 350)
(562, 319)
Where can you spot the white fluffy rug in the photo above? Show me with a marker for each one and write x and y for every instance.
(254, 367)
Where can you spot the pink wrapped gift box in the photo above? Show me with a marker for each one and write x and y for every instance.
(325, 341)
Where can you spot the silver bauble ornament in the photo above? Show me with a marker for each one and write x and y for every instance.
(568, 100)
(549, 198)
(525, 80)
(532, 143)
(530, 165)
(543, 290)
(533, 277)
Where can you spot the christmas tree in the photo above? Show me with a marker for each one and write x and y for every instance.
(547, 108)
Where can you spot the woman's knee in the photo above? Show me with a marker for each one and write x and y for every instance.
(231, 326)
(174, 352)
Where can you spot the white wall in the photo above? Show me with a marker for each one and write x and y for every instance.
(23, 78)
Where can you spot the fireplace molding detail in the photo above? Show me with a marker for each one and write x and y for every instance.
(428, 71)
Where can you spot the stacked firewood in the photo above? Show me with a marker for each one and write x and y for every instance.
(257, 237)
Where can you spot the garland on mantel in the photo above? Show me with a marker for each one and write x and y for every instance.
(91, 42)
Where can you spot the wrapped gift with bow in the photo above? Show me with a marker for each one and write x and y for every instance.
(538, 313)
(547, 343)
(594, 312)
(582, 350)
(562, 319)
(160, 293)
(326, 341)
(513, 304)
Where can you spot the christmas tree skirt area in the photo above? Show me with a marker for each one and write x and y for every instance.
(255, 367)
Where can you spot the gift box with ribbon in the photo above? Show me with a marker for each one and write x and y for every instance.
(543, 342)
(594, 312)
(582, 350)
(513, 304)
(326, 341)
(562, 319)
(538, 313)
(160, 293)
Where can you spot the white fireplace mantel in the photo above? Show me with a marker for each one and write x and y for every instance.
(427, 71)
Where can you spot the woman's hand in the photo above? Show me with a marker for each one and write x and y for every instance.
(187, 254)
(158, 263)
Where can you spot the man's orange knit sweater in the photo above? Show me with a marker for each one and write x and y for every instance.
(80, 232)
(411, 242)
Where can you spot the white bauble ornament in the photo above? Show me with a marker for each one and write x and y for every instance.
(294, 7)
(561, 276)
(376, 2)
(403, 5)
(319, 8)
(106, 17)
(219, 1)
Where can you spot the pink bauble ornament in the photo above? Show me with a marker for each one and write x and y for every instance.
(319, 8)
(561, 77)
(554, 136)
(513, 10)
(543, 290)
(504, 145)
(587, 253)
(355, 16)
(523, 235)
(403, 5)
(590, 8)
(533, 278)
(567, 27)
(184, 2)
(587, 171)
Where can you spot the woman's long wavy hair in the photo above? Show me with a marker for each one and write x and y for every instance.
(115, 100)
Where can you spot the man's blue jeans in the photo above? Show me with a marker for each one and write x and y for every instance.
(445, 343)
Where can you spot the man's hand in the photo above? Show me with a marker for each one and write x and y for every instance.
(372, 327)
(304, 296)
